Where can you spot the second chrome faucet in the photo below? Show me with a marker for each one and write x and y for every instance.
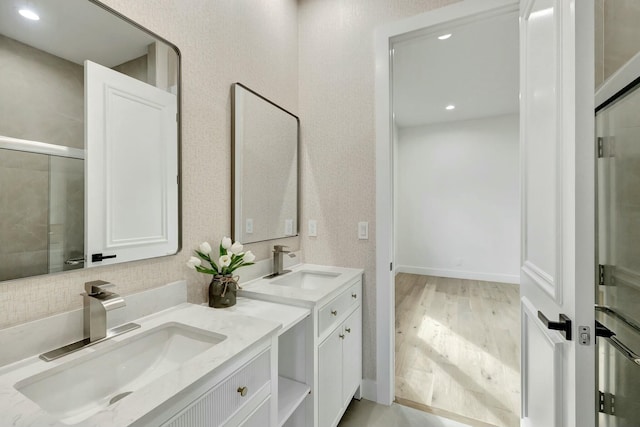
(278, 260)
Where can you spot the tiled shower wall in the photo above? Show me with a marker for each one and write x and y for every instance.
(24, 200)
(617, 35)
(42, 100)
(42, 96)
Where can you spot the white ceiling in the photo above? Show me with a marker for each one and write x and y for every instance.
(476, 70)
(74, 30)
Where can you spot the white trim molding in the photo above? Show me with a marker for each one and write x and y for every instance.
(384, 37)
(459, 274)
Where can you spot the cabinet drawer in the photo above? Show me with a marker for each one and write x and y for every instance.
(219, 403)
(260, 417)
(330, 314)
(355, 293)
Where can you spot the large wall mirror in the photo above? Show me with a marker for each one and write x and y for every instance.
(89, 138)
(265, 168)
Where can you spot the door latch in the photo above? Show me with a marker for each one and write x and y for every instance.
(584, 333)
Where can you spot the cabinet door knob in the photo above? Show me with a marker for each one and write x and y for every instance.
(354, 295)
(348, 330)
(334, 312)
(243, 391)
(341, 336)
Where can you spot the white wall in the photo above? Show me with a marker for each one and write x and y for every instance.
(458, 199)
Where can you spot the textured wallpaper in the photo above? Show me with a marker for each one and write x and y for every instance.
(222, 42)
(337, 76)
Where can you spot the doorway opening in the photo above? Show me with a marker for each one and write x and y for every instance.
(456, 218)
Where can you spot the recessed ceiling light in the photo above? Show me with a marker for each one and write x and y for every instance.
(29, 14)
(444, 36)
(450, 107)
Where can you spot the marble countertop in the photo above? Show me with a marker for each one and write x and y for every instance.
(287, 315)
(264, 289)
(242, 332)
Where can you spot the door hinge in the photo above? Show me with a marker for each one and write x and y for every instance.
(607, 403)
(606, 146)
(605, 275)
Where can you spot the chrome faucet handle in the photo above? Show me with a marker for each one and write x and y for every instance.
(281, 249)
(97, 287)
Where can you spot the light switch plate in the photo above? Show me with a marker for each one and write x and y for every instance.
(363, 230)
(313, 228)
(288, 227)
(248, 226)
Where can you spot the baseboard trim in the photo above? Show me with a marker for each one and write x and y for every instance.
(442, 413)
(369, 390)
(456, 274)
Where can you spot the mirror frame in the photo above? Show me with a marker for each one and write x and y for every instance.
(178, 136)
(235, 167)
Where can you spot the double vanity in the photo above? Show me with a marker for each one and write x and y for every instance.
(288, 353)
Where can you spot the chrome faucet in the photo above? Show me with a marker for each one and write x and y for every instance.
(97, 301)
(278, 261)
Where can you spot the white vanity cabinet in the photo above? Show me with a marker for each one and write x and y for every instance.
(333, 336)
(339, 356)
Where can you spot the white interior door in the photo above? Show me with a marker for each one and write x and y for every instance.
(131, 169)
(558, 237)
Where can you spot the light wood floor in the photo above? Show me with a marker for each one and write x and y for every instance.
(458, 347)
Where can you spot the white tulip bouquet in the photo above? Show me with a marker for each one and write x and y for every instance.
(230, 258)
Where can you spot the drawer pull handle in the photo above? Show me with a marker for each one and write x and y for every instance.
(341, 336)
(243, 391)
(354, 295)
(334, 312)
(348, 330)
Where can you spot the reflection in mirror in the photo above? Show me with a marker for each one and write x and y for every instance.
(85, 174)
(265, 168)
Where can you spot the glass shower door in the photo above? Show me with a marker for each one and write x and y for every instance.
(66, 213)
(42, 213)
(618, 293)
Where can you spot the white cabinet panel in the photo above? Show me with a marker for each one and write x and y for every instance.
(330, 379)
(352, 355)
(260, 416)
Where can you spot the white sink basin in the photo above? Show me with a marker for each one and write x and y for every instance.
(76, 390)
(305, 279)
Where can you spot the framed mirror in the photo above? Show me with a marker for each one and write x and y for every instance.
(89, 138)
(265, 146)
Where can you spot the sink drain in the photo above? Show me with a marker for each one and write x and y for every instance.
(118, 397)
